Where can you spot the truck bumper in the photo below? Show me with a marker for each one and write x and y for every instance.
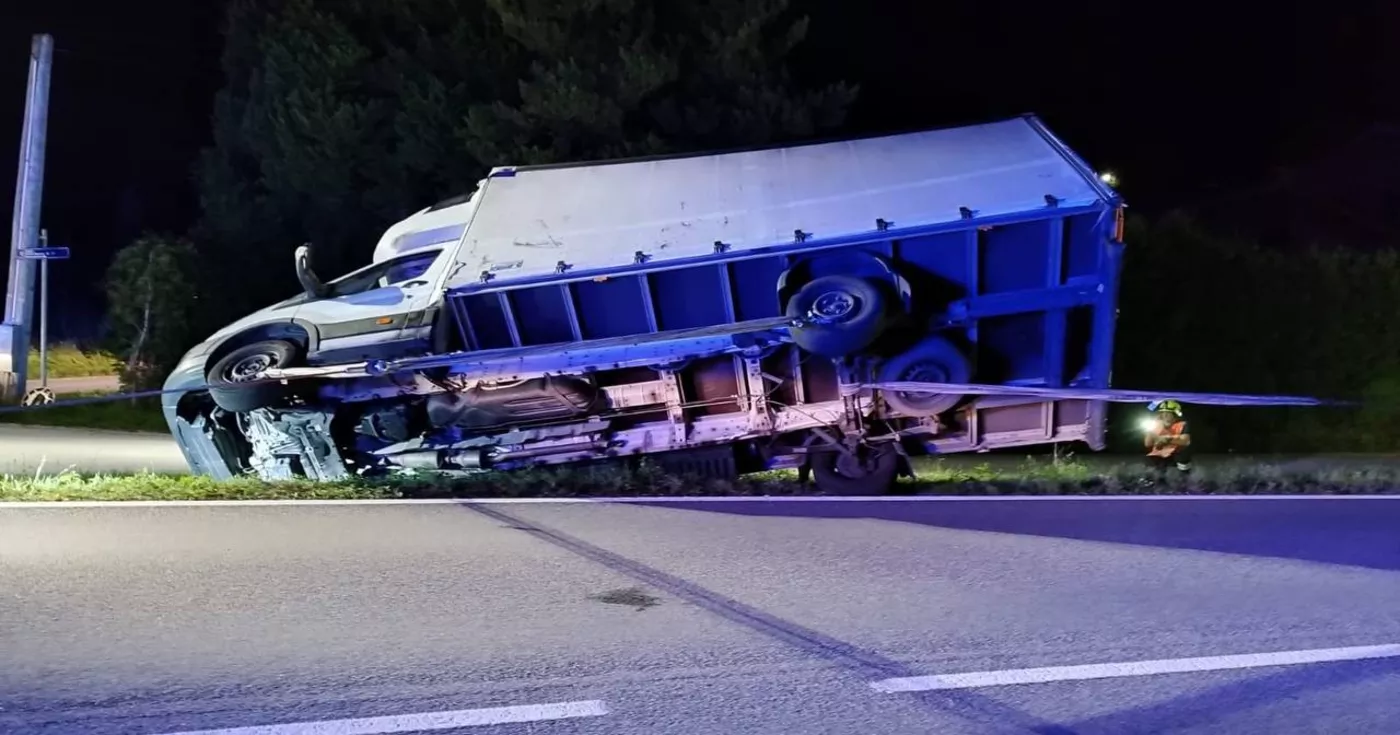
(195, 441)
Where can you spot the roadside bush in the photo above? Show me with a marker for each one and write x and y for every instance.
(72, 361)
(150, 300)
(1205, 313)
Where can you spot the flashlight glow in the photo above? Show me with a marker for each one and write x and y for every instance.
(1108, 177)
(1151, 426)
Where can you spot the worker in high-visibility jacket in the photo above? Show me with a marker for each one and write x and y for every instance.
(1167, 437)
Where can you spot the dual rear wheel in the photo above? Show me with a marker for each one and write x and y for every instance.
(842, 315)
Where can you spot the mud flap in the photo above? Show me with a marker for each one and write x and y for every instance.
(716, 463)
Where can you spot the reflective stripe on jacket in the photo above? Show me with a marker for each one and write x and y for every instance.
(1175, 429)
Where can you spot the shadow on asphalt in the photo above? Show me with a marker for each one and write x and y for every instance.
(1210, 706)
(866, 665)
(1352, 532)
(1195, 709)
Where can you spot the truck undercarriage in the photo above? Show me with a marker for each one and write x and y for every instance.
(764, 405)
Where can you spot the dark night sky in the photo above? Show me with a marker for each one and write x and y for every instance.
(1182, 99)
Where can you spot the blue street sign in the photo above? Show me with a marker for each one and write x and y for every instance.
(44, 253)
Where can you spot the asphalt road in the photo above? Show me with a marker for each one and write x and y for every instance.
(752, 617)
(30, 449)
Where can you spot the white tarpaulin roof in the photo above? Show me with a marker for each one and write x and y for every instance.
(598, 216)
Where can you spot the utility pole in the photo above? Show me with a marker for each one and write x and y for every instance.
(24, 233)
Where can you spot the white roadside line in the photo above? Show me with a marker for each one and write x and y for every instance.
(978, 679)
(423, 721)
(19, 504)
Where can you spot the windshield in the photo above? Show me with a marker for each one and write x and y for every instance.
(407, 270)
(394, 272)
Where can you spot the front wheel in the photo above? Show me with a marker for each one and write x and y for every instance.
(232, 380)
(866, 470)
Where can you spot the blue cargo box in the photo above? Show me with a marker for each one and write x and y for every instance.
(999, 238)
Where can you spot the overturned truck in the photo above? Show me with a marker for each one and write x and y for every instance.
(724, 313)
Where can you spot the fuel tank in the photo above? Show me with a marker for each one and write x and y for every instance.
(551, 398)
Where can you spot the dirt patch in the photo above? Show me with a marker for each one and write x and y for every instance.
(634, 597)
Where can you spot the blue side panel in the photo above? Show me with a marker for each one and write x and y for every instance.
(611, 308)
(941, 266)
(692, 297)
(754, 283)
(1078, 332)
(1013, 258)
(488, 321)
(1082, 246)
(548, 315)
(1011, 348)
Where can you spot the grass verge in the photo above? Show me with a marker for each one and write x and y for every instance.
(70, 361)
(936, 478)
(142, 414)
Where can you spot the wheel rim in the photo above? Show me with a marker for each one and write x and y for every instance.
(860, 463)
(852, 467)
(249, 368)
(923, 372)
(834, 307)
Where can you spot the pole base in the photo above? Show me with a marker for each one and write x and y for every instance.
(39, 397)
(14, 359)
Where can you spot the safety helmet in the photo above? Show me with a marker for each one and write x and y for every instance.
(1165, 404)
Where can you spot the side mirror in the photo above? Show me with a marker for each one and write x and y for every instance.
(309, 282)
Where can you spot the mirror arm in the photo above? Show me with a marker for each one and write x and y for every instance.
(310, 283)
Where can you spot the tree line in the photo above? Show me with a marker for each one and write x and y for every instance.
(1205, 312)
(339, 117)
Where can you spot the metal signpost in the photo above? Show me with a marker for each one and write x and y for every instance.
(43, 254)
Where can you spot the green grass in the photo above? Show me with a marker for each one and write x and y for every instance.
(936, 478)
(595, 481)
(69, 361)
(142, 414)
(938, 471)
(1035, 477)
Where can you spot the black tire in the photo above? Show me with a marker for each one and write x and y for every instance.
(872, 472)
(854, 312)
(229, 378)
(932, 360)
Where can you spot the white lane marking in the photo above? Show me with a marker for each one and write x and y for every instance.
(977, 679)
(423, 721)
(17, 504)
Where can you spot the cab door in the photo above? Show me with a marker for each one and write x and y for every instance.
(374, 312)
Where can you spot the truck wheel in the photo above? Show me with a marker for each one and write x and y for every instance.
(848, 314)
(932, 360)
(230, 379)
(872, 471)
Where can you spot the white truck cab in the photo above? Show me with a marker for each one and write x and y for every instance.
(392, 300)
(387, 307)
